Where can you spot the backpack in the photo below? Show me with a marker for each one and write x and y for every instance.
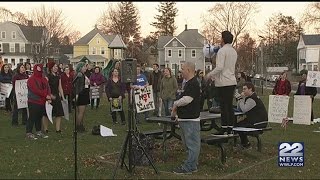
(96, 130)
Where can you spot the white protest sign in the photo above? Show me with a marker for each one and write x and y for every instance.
(49, 108)
(313, 79)
(6, 88)
(65, 107)
(21, 90)
(302, 109)
(278, 108)
(2, 100)
(104, 131)
(95, 92)
(144, 99)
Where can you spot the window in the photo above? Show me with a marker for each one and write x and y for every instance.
(13, 34)
(5, 61)
(174, 43)
(304, 66)
(21, 60)
(116, 52)
(28, 60)
(3, 34)
(169, 53)
(315, 67)
(12, 47)
(57, 50)
(13, 62)
(179, 53)
(102, 50)
(94, 49)
(98, 40)
(0, 47)
(193, 53)
(309, 67)
(37, 49)
(22, 47)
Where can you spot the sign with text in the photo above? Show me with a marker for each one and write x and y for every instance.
(144, 99)
(302, 109)
(6, 88)
(95, 92)
(21, 90)
(2, 100)
(313, 79)
(278, 108)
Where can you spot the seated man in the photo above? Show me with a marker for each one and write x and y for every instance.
(256, 114)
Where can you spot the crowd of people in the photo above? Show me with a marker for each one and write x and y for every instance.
(180, 96)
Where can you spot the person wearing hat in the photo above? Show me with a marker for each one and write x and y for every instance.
(81, 87)
(54, 81)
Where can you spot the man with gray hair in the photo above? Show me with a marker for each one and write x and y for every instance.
(188, 111)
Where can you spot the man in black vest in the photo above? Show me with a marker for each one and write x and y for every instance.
(188, 110)
(254, 109)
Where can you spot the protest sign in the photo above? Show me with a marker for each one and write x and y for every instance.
(2, 100)
(313, 79)
(302, 109)
(116, 104)
(144, 99)
(6, 88)
(95, 92)
(278, 108)
(65, 107)
(21, 90)
(49, 108)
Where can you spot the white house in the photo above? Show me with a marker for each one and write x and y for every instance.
(308, 52)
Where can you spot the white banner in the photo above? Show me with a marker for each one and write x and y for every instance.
(2, 100)
(49, 108)
(95, 92)
(21, 90)
(302, 109)
(65, 107)
(6, 88)
(144, 99)
(278, 108)
(313, 79)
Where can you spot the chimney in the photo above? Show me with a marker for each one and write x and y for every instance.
(30, 23)
(185, 27)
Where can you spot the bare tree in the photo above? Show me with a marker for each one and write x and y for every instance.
(311, 16)
(5, 14)
(231, 16)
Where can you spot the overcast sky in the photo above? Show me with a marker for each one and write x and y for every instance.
(83, 15)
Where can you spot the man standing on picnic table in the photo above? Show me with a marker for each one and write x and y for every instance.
(256, 114)
(225, 81)
(188, 111)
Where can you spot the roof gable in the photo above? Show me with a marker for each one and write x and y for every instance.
(169, 44)
(32, 33)
(117, 42)
(163, 40)
(191, 38)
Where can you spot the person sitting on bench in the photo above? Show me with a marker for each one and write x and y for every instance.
(254, 109)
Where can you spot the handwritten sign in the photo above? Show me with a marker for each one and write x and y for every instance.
(2, 100)
(302, 109)
(95, 92)
(21, 90)
(278, 108)
(313, 79)
(65, 107)
(116, 104)
(6, 88)
(49, 108)
(144, 99)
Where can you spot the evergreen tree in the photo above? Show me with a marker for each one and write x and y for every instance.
(165, 24)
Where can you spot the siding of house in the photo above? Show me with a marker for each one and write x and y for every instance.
(80, 50)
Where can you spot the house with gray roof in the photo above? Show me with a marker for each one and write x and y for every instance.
(173, 51)
(101, 48)
(21, 43)
(308, 52)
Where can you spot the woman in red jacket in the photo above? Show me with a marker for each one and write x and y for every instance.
(38, 93)
(283, 86)
(66, 82)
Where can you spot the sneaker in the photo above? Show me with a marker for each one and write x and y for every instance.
(181, 170)
(41, 135)
(31, 136)
(58, 131)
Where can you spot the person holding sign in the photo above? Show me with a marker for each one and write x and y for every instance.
(304, 90)
(283, 86)
(256, 114)
(168, 89)
(21, 74)
(115, 90)
(96, 79)
(57, 95)
(188, 110)
(6, 78)
(38, 93)
(142, 82)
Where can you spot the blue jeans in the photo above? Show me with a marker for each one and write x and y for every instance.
(191, 139)
(167, 103)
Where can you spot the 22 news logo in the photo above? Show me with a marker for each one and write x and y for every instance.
(291, 154)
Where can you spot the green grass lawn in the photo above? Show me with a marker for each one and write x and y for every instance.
(53, 158)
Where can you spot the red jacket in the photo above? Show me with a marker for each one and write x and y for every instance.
(38, 86)
(66, 83)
